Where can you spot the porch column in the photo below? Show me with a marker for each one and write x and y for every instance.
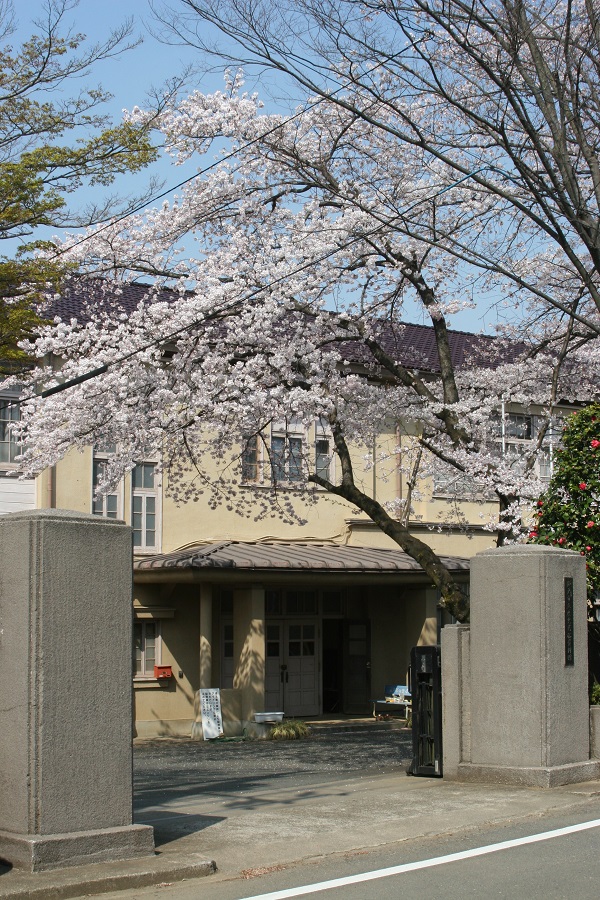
(206, 638)
(249, 649)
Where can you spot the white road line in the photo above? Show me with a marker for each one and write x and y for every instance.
(425, 863)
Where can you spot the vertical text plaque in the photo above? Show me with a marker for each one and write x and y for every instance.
(569, 635)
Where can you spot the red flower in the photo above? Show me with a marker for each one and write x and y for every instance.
(590, 525)
(533, 534)
(540, 503)
(588, 549)
(561, 540)
(582, 485)
(594, 444)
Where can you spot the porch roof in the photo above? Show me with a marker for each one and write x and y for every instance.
(279, 556)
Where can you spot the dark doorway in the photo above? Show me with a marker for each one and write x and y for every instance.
(357, 665)
(333, 665)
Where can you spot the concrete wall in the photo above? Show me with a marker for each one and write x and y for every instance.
(456, 698)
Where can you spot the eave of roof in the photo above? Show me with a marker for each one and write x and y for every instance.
(261, 557)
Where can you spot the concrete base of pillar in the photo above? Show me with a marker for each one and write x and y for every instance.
(530, 776)
(42, 852)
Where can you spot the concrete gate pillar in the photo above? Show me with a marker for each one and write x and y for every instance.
(66, 675)
(523, 674)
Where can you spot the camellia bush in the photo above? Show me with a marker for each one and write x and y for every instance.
(568, 514)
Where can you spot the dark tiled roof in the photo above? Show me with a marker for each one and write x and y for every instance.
(414, 346)
(81, 295)
(293, 557)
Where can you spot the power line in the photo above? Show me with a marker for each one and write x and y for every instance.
(230, 155)
(100, 370)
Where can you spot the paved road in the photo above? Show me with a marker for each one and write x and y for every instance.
(279, 816)
(558, 868)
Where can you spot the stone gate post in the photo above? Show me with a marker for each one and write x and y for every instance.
(524, 671)
(66, 705)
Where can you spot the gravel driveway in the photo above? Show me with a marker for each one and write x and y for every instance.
(171, 762)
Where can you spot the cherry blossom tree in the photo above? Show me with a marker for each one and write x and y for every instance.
(315, 232)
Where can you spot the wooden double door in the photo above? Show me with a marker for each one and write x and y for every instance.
(314, 666)
(292, 676)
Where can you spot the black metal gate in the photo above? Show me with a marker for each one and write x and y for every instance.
(426, 692)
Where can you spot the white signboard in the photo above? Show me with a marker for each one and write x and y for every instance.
(210, 707)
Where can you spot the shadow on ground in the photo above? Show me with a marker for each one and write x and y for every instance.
(243, 776)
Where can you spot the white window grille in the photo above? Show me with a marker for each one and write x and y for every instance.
(147, 647)
(108, 505)
(287, 447)
(10, 447)
(145, 506)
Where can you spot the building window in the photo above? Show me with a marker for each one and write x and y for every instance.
(516, 434)
(106, 505)
(251, 460)
(147, 646)
(518, 426)
(301, 603)
(273, 603)
(10, 447)
(322, 458)
(145, 506)
(286, 457)
(227, 654)
(513, 437)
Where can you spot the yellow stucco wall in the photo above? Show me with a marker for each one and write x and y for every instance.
(165, 708)
(69, 486)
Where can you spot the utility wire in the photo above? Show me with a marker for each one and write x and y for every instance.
(100, 370)
(230, 155)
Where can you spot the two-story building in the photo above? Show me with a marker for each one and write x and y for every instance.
(306, 619)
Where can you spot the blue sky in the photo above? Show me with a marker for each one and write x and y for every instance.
(130, 77)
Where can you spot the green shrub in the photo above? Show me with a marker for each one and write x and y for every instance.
(291, 730)
(595, 694)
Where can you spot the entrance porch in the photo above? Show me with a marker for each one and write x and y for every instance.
(306, 629)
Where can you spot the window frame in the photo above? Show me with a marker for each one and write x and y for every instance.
(505, 440)
(142, 624)
(289, 459)
(323, 434)
(145, 494)
(15, 448)
(102, 458)
(251, 460)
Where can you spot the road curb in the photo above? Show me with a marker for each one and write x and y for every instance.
(100, 878)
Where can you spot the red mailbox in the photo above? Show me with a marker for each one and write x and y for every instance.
(163, 671)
